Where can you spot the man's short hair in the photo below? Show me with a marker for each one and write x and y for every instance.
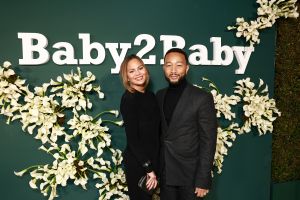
(177, 50)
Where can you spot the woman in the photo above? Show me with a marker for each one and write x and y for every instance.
(141, 117)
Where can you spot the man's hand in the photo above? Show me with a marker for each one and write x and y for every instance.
(201, 192)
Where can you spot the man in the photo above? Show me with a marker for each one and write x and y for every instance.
(189, 129)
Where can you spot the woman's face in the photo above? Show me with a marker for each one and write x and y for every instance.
(136, 74)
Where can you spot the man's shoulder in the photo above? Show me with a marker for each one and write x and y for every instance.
(198, 91)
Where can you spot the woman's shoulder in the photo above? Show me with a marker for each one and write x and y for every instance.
(128, 96)
(129, 99)
(136, 96)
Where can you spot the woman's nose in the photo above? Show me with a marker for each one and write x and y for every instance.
(137, 72)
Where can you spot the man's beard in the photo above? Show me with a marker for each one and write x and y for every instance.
(177, 82)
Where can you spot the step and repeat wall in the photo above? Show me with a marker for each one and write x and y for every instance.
(44, 39)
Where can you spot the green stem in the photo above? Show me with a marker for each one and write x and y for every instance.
(205, 88)
(33, 166)
(86, 100)
(213, 84)
(98, 115)
(23, 92)
(61, 109)
(110, 121)
(49, 152)
(97, 172)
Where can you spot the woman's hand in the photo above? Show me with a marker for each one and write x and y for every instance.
(151, 180)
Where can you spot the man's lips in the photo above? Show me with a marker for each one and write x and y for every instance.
(174, 76)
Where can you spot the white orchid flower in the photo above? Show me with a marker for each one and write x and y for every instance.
(267, 14)
(6, 64)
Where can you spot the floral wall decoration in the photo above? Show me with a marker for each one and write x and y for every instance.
(77, 145)
(259, 112)
(267, 14)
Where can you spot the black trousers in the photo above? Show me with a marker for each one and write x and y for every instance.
(133, 172)
(171, 192)
(168, 192)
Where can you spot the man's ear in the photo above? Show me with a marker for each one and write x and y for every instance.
(187, 69)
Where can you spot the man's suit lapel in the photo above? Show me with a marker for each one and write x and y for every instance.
(164, 122)
(180, 106)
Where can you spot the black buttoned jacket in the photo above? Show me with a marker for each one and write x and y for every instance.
(189, 141)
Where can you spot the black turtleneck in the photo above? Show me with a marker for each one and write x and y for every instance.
(171, 99)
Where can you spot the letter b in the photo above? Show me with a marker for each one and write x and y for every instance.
(87, 47)
(28, 48)
(217, 52)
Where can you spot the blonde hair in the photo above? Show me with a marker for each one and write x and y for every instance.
(123, 72)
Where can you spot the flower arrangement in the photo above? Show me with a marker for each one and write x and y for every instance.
(268, 12)
(258, 111)
(42, 114)
(78, 145)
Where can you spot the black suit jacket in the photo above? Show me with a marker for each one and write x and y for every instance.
(189, 142)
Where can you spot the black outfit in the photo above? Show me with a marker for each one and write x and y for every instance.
(172, 96)
(189, 130)
(141, 117)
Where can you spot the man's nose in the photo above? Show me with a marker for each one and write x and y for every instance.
(173, 68)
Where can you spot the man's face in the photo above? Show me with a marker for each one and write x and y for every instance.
(175, 67)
